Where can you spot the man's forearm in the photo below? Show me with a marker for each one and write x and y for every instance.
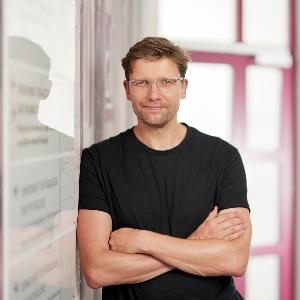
(219, 246)
(199, 257)
(112, 268)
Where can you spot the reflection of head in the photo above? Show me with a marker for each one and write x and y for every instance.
(153, 48)
(28, 52)
(31, 61)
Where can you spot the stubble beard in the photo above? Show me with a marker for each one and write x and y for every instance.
(156, 120)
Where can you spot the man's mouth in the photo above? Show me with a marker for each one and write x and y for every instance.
(154, 109)
(150, 107)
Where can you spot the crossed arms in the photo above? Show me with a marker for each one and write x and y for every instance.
(219, 246)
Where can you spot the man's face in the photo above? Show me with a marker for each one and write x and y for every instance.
(154, 105)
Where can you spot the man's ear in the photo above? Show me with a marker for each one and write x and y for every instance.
(184, 86)
(126, 86)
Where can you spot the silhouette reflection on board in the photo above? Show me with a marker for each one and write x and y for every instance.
(41, 183)
(29, 68)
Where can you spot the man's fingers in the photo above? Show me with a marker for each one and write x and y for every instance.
(233, 231)
(231, 222)
(219, 226)
(213, 213)
(235, 235)
(226, 216)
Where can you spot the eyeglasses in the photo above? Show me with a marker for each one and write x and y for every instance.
(165, 85)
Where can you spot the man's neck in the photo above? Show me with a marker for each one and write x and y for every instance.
(164, 138)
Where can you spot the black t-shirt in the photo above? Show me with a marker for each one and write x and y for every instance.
(169, 192)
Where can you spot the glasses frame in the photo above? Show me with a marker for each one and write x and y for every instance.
(157, 82)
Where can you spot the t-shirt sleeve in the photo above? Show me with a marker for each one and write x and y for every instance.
(91, 184)
(232, 184)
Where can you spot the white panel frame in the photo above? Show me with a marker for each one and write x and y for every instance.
(255, 79)
(201, 10)
(191, 117)
(265, 9)
(267, 267)
(269, 235)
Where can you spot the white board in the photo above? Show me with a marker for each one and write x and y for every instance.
(40, 206)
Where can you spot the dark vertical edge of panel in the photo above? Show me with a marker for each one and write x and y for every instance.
(79, 68)
(295, 37)
(239, 21)
(78, 121)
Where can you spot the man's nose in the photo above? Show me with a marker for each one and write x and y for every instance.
(154, 90)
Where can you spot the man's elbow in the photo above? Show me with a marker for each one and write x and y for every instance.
(235, 265)
(239, 257)
(239, 270)
(231, 267)
(95, 280)
(238, 265)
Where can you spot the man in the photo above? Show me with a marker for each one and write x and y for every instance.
(163, 212)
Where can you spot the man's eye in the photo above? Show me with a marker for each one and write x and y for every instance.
(141, 83)
(168, 82)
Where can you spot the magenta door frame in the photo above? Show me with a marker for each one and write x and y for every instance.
(285, 156)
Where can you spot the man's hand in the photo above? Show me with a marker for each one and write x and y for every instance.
(227, 226)
(124, 240)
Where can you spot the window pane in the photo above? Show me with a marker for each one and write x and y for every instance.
(266, 22)
(209, 99)
(263, 94)
(262, 278)
(263, 194)
(212, 20)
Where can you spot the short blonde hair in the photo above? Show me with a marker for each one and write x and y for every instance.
(152, 48)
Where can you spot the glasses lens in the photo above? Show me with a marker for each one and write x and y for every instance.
(165, 85)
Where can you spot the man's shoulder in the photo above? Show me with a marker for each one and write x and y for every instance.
(210, 142)
(110, 145)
